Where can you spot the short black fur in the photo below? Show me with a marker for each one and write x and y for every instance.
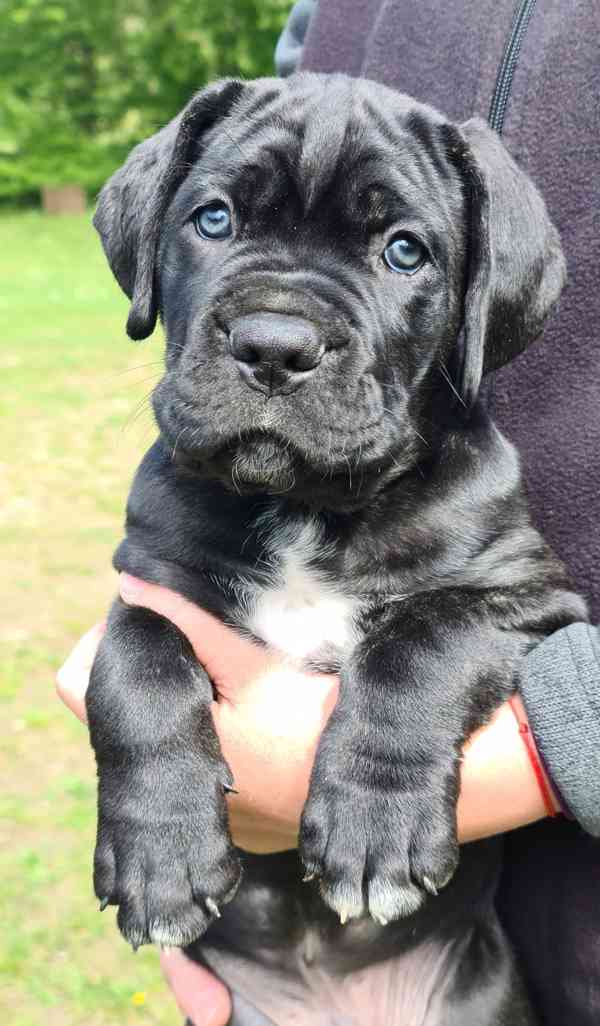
(366, 452)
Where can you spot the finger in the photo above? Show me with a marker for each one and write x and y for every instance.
(228, 658)
(74, 675)
(199, 994)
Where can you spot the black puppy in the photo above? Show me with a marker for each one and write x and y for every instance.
(336, 266)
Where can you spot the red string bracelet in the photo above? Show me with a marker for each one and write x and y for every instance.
(534, 759)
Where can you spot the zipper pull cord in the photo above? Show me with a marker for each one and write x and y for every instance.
(508, 65)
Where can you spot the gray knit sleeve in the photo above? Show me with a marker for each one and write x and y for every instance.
(288, 52)
(560, 688)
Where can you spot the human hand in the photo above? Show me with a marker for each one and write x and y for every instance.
(269, 717)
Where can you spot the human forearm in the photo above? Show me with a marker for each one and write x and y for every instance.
(499, 790)
(269, 718)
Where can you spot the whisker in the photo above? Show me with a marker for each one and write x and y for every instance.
(174, 453)
(140, 407)
(234, 473)
(447, 378)
(128, 370)
(143, 381)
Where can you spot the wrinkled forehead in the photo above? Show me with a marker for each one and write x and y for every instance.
(315, 138)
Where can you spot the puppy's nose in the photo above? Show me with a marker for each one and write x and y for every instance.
(275, 353)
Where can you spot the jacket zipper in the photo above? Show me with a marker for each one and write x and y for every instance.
(508, 65)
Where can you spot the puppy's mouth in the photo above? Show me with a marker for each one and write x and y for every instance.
(264, 462)
(261, 463)
(254, 462)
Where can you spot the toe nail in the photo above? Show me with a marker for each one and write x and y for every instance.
(310, 875)
(103, 903)
(213, 908)
(230, 790)
(430, 886)
(381, 920)
(344, 917)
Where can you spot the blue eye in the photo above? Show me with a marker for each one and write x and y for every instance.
(405, 254)
(213, 221)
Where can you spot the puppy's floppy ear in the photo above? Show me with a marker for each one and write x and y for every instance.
(516, 264)
(133, 203)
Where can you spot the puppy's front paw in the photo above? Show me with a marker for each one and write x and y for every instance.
(377, 850)
(169, 866)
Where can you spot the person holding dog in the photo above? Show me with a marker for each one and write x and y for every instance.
(551, 867)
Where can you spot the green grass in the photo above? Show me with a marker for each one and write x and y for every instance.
(74, 424)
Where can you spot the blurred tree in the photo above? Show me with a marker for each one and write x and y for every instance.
(81, 82)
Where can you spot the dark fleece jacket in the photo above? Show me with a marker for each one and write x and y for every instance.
(547, 401)
(448, 54)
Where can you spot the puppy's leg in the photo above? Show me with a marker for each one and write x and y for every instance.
(163, 852)
(379, 826)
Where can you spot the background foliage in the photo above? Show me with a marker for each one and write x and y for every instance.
(83, 81)
(74, 422)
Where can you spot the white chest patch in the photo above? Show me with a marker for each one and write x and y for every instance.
(303, 610)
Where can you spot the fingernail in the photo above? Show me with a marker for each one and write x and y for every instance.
(129, 587)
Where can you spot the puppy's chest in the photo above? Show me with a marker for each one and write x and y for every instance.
(305, 609)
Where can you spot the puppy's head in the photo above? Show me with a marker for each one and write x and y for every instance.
(334, 264)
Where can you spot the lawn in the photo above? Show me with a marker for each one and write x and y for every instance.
(75, 422)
